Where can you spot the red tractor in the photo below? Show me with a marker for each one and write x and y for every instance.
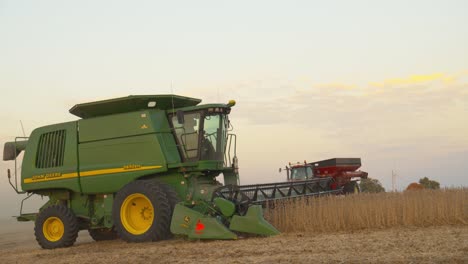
(343, 171)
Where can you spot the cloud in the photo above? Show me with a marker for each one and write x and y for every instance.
(423, 114)
(340, 86)
(403, 126)
(414, 80)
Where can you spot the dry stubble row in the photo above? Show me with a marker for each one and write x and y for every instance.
(361, 211)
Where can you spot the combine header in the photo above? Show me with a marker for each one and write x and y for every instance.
(143, 168)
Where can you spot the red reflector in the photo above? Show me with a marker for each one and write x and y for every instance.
(199, 227)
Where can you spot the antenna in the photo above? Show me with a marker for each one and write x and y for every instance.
(172, 98)
(22, 128)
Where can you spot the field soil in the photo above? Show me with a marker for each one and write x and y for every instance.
(442, 244)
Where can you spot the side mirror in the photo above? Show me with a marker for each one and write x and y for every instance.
(180, 116)
(280, 170)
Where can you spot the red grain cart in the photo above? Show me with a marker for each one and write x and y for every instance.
(344, 172)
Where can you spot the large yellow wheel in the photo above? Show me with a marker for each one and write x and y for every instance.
(137, 213)
(56, 226)
(142, 212)
(53, 229)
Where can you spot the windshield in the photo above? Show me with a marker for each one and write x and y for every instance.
(301, 173)
(214, 137)
(202, 135)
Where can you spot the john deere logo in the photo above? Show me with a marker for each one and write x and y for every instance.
(186, 222)
(144, 127)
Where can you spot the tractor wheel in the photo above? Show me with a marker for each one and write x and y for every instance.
(141, 212)
(351, 188)
(171, 196)
(102, 234)
(55, 227)
(173, 200)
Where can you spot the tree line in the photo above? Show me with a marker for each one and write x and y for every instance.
(370, 185)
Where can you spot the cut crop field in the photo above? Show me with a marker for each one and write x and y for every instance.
(443, 244)
(409, 227)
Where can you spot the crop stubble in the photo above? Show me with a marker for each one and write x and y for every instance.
(410, 227)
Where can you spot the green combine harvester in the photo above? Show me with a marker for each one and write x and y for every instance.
(143, 168)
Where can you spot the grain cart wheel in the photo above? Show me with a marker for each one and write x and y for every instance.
(56, 226)
(351, 188)
(141, 212)
(102, 234)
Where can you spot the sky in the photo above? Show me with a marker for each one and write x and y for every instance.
(386, 81)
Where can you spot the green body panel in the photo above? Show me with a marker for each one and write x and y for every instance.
(169, 148)
(123, 125)
(226, 207)
(115, 162)
(195, 225)
(177, 181)
(253, 222)
(70, 161)
(80, 204)
(96, 208)
(133, 140)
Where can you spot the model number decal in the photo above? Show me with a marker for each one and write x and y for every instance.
(132, 166)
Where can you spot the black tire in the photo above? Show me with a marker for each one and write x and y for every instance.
(351, 188)
(103, 234)
(173, 199)
(55, 227)
(155, 212)
(171, 195)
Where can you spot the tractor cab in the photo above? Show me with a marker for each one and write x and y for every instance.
(202, 134)
(299, 172)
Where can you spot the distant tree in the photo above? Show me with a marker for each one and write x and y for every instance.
(429, 184)
(415, 186)
(370, 185)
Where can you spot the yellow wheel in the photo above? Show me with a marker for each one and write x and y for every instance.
(356, 189)
(142, 212)
(53, 229)
(351, 187)
(137, 214)
(56, 226)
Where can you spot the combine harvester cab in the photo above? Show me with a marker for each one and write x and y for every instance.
(140, 168)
